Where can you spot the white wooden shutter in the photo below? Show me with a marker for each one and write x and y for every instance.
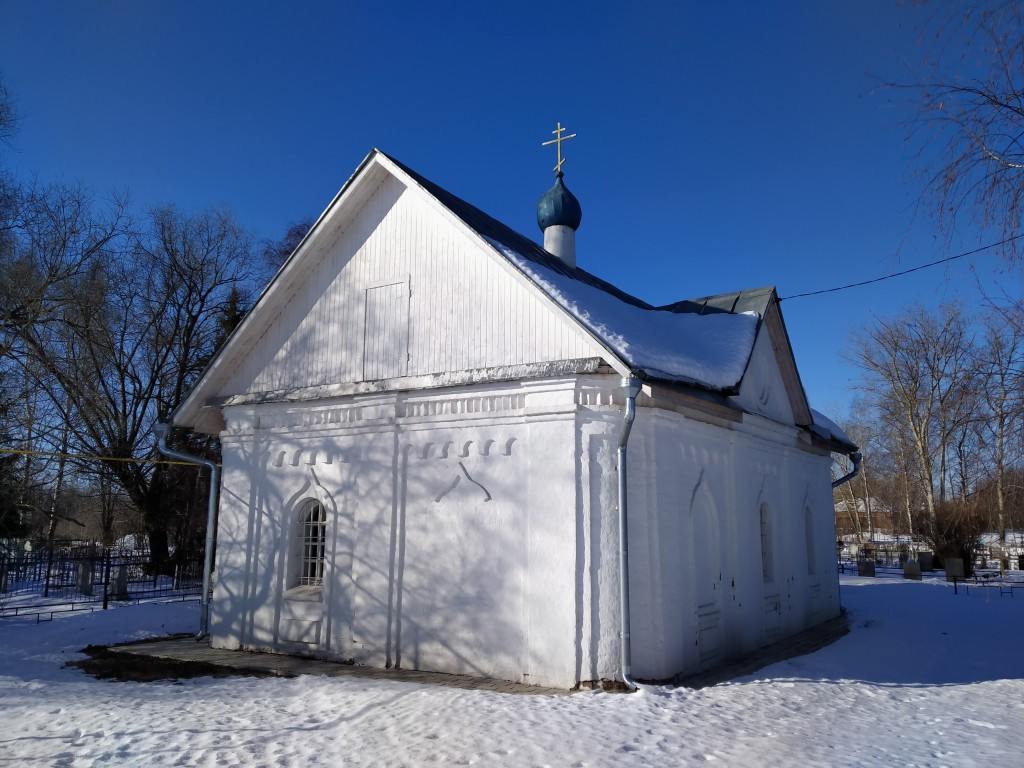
(386, 333)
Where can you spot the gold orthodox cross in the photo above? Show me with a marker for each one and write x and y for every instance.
(557, 141)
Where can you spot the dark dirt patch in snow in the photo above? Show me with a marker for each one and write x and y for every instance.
(106, 664)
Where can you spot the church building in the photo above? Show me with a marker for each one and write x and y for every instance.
(448, 448)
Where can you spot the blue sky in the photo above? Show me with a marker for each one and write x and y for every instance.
(720, 146)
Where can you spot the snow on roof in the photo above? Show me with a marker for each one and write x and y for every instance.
(682, 342)
(710, 350)
(827, 429)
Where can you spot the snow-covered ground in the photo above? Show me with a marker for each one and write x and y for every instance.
(924, 678)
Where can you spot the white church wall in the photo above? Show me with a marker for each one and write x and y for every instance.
(461, 553)
(550, 609)
(684, 553)
(768, 511)
(474, 530)
(449, 540)
(698, 590)
(822, 583)
(267, 480)
(597, 537)
(231, 599)
(783, 480)
(415, 295)
(682, 541)
(708, 476)
(660, 592)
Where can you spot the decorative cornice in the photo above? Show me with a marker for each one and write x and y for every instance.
(408, 384)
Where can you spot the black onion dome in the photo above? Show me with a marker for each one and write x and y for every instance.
(559, 207)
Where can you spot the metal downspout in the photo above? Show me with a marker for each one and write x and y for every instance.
(161, 430)
(631, 386)
(857, 457)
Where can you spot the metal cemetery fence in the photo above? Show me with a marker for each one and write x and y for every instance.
(892, 553)
(86, 578)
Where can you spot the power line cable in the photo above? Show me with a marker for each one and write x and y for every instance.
(904, 272)
(94, 458)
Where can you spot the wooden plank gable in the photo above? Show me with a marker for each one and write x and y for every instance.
(400, 291)
(764, 390)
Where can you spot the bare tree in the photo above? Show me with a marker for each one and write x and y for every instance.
(276, 252)
(104, 325)
(969, 124)
(163, 326)
(1001, 369)
(112, 324)
(917, 370)
(863, 430)
(899, 456)
(8, 115)
(844, 498)
(12, 522)
(52, 238)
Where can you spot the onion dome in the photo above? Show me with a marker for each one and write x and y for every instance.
(559, 207)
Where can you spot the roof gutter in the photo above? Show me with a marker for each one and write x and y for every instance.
(631, 387)
(161, 430)
(856, 457)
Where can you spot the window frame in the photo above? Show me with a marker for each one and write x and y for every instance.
(311, 545)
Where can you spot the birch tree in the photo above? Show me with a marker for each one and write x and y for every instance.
(915, 367)
(1001, 369)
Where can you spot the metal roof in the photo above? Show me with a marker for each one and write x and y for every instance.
(756, 300)
(490, 227)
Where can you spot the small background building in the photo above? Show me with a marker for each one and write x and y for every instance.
(420, 419)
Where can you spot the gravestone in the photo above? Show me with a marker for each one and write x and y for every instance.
(912, 570)
(1003, 557)
(85, 577)
(865, 567)
(954, 568)
(119, 587)
(926, 561)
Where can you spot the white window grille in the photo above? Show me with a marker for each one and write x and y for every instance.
(312, 535)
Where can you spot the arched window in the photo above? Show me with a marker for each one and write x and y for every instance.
(809, 540)
(312, 531)
(767, 554)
